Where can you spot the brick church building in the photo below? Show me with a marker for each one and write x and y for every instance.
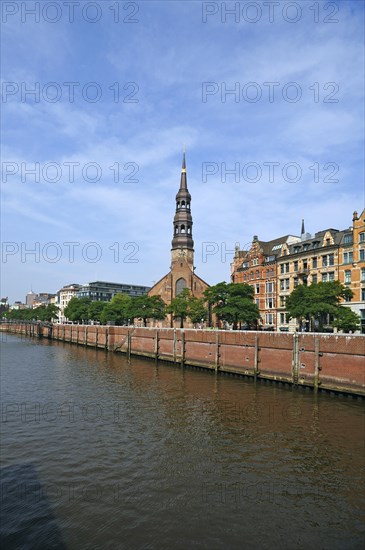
(182, 271)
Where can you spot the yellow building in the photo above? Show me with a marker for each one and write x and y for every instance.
(352, 264)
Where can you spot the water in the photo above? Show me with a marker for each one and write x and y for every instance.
(99, 453)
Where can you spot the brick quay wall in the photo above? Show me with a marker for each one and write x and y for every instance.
(322, 361)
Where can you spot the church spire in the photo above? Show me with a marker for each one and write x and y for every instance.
(302, 230)
(183, 221)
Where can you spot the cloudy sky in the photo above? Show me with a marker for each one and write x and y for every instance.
(267, 100)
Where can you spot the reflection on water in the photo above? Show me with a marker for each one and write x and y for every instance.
(142, 455)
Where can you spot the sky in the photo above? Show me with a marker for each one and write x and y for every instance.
(100, 98)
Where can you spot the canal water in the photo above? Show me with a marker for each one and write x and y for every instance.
(100, 453)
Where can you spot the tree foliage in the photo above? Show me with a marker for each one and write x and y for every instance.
(147, 307)
(234, 303)
(77, 310)
(179, 306)
(42, 313)
(318, 302)
(347, 320)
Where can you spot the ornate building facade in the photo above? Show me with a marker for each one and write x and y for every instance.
(182, 271)
(276, 267)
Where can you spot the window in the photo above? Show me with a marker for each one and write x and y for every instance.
(282, 301)
(296, 249)
(362, 275)
(282, 268)
(180, 285)
(257, 302)
(282, 318)
(257, 274)
(257, 289)
(269, 318)
(328, 242)
(348, 276)
(269, 288)
(315, 244)
(296, 282)
(255, 261)
(363, 294)
(252, 275)
(347, 257)
(362, 255)
(347, 239)
(282, 282)
(305, 264)
(269, 303)
(331, 259)
(182, 229)
(305, 247)
(324, 277)
(176, 229)
(296, 266)
(189, 230)
(287, 284)
(324, 261)
(362, 237)
(314, 262)
(245, 264)
(245, 277)
(314, 279)
(331, 276)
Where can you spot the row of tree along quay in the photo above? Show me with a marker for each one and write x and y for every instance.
(317, 308)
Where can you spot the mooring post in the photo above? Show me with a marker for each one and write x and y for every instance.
(106, 337)
(295, 360)
(256, 360)
(174, 346)
(96, 337)
(156, 345)
(182, 347)
(317, 367)
(217, 352)
(129, 340)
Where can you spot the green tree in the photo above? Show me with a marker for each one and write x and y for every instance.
(96, 309)
(216, 297)
(233, 303)
(148, 307)
(347, 320)
(118, 310)
(197, 310)
(78, 309)
(179, 306)
(317, 302)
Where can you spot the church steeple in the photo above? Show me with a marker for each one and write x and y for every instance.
(183, 221)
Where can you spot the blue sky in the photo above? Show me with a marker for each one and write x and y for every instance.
(176, 59)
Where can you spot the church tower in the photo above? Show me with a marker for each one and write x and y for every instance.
(182, 271)
(182, 246)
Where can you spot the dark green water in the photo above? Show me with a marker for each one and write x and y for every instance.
(98, 453)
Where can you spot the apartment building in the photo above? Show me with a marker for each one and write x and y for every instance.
(276, 267)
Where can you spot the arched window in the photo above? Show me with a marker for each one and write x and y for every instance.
(180, 285)
(176, 229)
(188, 205)
(182, 204)
(189, 230)
(182, 229)
(178, 204)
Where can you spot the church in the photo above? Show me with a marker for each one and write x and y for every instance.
(182, 271)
